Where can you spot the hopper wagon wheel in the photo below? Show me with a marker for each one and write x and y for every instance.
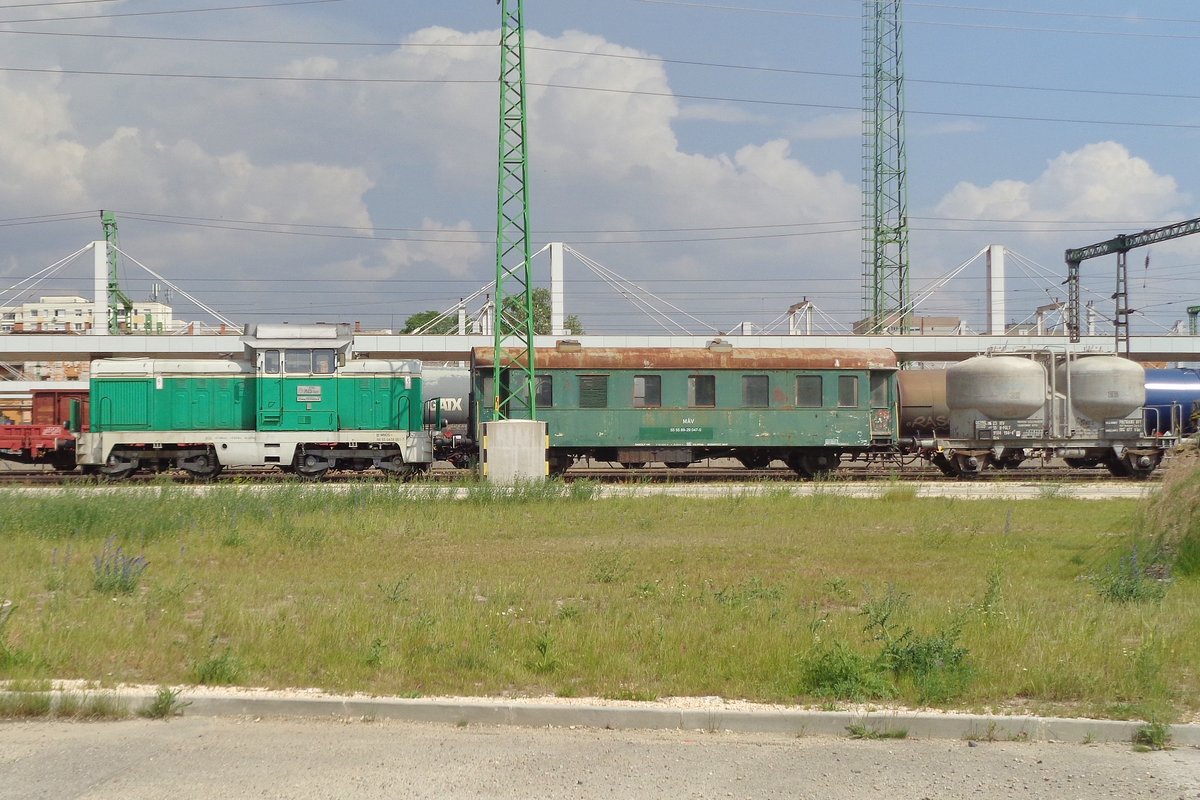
(945, 464)
(1137, 467)
(967, 466)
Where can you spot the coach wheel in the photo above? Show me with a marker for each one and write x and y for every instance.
(558, 464)
(755, 461)
(633, 464)
(677, 464)
(809, 464)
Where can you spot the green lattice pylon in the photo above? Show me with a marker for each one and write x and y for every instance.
(885, 204)
(120, 307)
(513, 376)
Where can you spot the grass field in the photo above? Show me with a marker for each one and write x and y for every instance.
(1053, 605)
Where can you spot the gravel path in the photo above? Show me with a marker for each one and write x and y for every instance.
(306, 759)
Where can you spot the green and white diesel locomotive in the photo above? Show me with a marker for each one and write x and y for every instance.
(297, 400)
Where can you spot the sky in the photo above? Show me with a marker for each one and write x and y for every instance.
(336, 160)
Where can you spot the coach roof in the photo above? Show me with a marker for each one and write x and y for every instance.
(711, 358)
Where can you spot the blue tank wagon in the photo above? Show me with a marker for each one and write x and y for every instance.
(805, 407)
(296, 400)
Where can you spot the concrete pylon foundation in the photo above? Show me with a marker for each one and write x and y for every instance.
(513, 450)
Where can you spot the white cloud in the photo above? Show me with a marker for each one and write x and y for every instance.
(1101, 181)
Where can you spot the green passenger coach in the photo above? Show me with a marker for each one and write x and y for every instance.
(805, 407)
(295, 400)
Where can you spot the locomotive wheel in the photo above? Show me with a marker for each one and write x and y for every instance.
(312, 474)
(118, 474)
(311, 467)
(202, 468)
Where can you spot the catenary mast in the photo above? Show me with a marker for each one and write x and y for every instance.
(885, 205)
(513, 327)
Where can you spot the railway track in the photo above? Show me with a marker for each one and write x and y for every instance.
(853, 472)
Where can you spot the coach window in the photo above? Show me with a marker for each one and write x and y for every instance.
(545, 391)
(702, 391)
(755, 392)
(848, 391)
(271, 362)
(808, 391)
(647, 391)
(879, 390)
(593, 391)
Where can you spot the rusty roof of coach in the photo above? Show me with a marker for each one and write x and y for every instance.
(708, 358)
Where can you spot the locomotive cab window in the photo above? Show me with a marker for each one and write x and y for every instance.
(271, 362)
(593, 391)
(808, 391)
(324, 361)
(647, 391)
(702, 391)
(848, 391)
(879, 390)
(755, 391)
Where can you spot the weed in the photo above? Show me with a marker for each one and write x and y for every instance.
(376, 653)
(166, 704)
(544, 660)
(1153, 735)
(747, 593)
(1127, 581)
(840, 673)
(858, 730)
(609, 567)
(114, 572)
(25, 705)
(936, 664)
(396, 591)
(898, 494)
(217, 669)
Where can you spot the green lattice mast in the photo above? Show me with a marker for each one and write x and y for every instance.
(885, 204)
(513, 315)
(120, 307)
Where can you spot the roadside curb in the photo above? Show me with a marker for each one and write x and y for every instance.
(710, 714)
